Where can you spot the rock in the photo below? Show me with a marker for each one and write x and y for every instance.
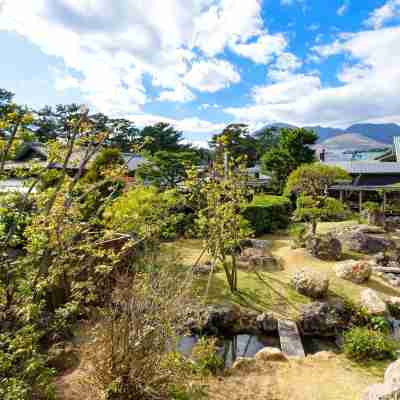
(354, 271)
(243, 364)
(393, 302)
(256, 243)
(380, 391)
(217, 320)
(377, 218)
(323, 319)
(373, 303)
(310, 283)
(252, 252)
(203, 269)
(370, 229)
(265, 263)
(270, 354)
(267, 323)
(392, 374)
(325, 247)
(62, 356)
(324, 355)
(367, 244)
(390, 389)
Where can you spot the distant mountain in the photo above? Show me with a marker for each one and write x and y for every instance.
(382, 133)
(349, 141)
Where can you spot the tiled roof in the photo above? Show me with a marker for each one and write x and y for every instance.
(367, 167)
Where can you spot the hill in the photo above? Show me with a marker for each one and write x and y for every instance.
(351, 140)
(378, 133)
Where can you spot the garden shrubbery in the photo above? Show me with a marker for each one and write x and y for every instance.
(268, 213)
(362, 343)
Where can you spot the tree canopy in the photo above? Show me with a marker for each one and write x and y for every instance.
(292, 150)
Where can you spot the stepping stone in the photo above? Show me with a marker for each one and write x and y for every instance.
(290, 339)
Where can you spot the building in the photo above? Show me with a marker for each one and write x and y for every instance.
(393, 154)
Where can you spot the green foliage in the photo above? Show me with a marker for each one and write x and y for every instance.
(205, 356)
(371, 206)
(291, 151)
(314, 179)
(235, 141)
(220, 222)
(364, 343)
(147, 213)
(161, 137)
(166, 168)
(267, 214)
(23, 370)
(15, 216)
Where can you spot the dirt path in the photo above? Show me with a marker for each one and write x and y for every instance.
(313, 378)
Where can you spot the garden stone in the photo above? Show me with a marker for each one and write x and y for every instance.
(267, 323)
(373, 303)
(367, 244)
(217, 320)
(270, 354)
(310, 283)
(392, 374)
(243, 364)
(203, 269)
(325, 247)
(323, 319)
(354, 271)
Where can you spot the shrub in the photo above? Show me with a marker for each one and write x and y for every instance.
(268, 213)
(364, 343)
(205, 355)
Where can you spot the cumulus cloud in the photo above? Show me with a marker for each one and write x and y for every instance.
(263, 49)
(180, 94)
(381, 15)
(369, 90)
(211, 75)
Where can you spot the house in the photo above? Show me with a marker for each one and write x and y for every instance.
(393, 154)
(367, 177)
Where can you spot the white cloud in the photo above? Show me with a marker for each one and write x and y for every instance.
(342, 10)
(180, 94)
(380, 16)
(206, 106)
(263, 49)
(211, 75)
(190, 125)
(227, 22)
(370, 83)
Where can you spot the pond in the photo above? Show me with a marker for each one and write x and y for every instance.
(230, 348)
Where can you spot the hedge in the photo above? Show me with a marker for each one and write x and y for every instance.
(268, 213)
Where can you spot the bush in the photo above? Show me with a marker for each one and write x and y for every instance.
(364, 343)
(205, 356)
(268, 213)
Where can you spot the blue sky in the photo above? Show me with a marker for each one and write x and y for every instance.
(200, 64)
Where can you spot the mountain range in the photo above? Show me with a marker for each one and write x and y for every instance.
(359, 136)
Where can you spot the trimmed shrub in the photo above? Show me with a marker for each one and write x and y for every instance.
(268, 213)
(364, 343)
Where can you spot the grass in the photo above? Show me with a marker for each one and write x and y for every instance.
(259, 292)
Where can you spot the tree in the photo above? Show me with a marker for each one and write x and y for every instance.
(310, 182)
(292, 150)
(161, 137)
(220, 222)
(314, 179)
(267, 138)
(166, 169)
(235, 141)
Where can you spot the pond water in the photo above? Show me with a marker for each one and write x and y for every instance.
(230, 348)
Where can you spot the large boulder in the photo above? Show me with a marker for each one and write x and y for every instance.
(270, 354)
(323, 319)
(373, 303)
(389, 389)
(215, 320)
(367, 244)
(354, 271)
(267, 323)
(325, 247)
(310, 283)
